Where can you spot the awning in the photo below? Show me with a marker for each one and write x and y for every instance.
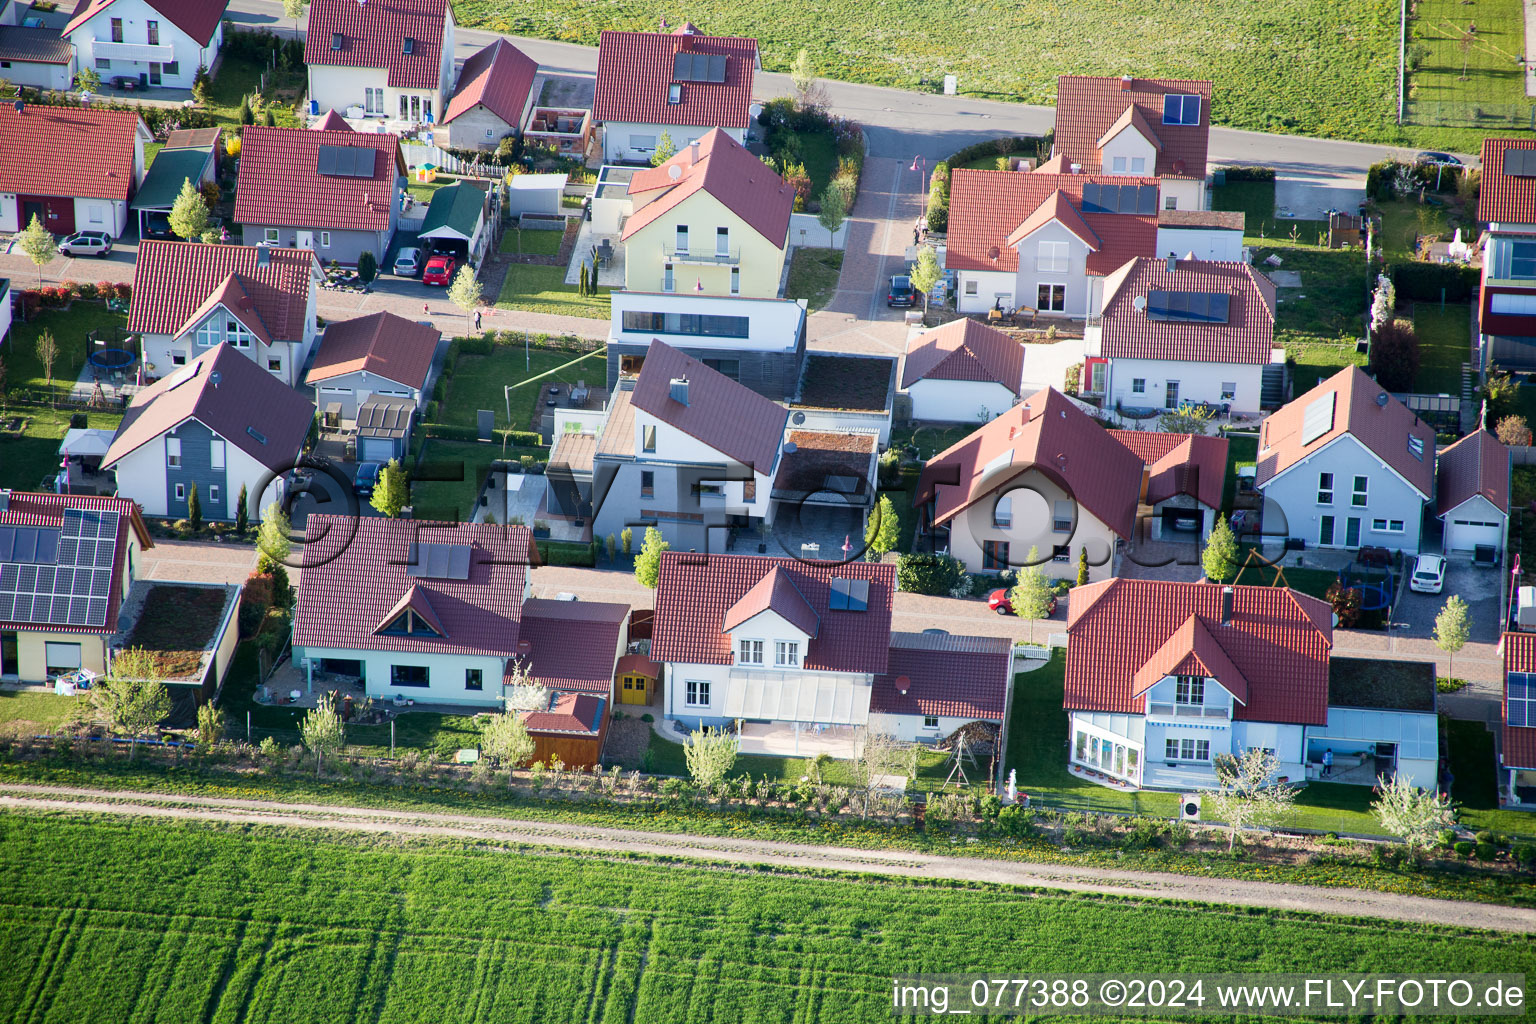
(82, 441)
(795, 698)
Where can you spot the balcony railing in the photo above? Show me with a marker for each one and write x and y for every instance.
(1188, 710)
(157, 53)
(712, 257)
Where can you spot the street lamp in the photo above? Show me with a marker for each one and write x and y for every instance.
(920, 166)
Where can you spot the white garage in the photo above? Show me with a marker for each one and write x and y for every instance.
(1472, 493)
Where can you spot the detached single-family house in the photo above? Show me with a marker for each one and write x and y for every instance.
(32, 54)
(492, 99)
(439, 613)
(962, 372)
(74, 168)
(713, 220)
(381, 58)
(456, 222)
(1506, 207)
(1182, 480)
(336, 192)
(1517, 754)
(682, 83)
(1472, 494)
(1180, 330)
(260, 300)
(1346, 465)
(934, 684)
(220, 423)
(157, 42)
(1141, 127)
(378, 355)
(67, 562)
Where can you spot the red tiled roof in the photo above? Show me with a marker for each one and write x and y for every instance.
(34, 508)
(985, 208)
(634, 73)
(280, 182)
(89, 151)
(729, 417)
(1192, 464)
(1476, 464)
(579, 714)
(1131, 118)
(246, 398)
(355, 570)
(331, 122)
(1088, 107)
(694, 593)
(1519, 746)
(237, 302)
(1505, 198)
(1247, 336)
(374, 34)
(420, 604)
(383, 343)
(197, 18)
(1056, 207)
(1277, 641)
(1191, 650)
(775, 592)
(953, 676)
(964, 349)
(172, 280)
(499, 77)
(637, 664)
(1384, 429)
(1049, 433)
(574, 643)
(726, 170)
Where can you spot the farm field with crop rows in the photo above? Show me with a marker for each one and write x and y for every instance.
(123, 920)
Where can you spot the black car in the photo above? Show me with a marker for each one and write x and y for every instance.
(157, 225)
(902, 293)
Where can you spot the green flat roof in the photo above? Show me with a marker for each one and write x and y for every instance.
(162, 183)
(456, 207)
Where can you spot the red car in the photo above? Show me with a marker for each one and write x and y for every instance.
(998, 602)
(439, 270)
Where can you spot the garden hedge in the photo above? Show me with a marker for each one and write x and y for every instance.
(1421, 282)
(457, 432)
(923, 573)
(1248, 173)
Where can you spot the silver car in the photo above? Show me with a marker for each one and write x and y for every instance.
(408, 263)
(86, 243)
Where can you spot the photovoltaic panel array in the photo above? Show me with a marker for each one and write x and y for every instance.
(346, 161)
(1198, 307)
(1138, 199)
(75, 589)
(698, 67)
(1522, 693)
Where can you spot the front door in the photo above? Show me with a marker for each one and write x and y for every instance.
(154, 73)
(306, 239)
(1352, 532)
(1325, 532)
(10, 664)
(1171, 399)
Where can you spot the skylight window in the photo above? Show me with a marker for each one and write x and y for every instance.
(848, 595)
(407, 45)
(337, 39)
(1416, 447)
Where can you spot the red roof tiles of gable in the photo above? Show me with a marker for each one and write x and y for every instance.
(171, 280)
(1191, 650)
(420, 604)
(573, 643)
(1519, 746)
(1087, 107)
(356, 570)
(374, 34)
(1476, 464)
(1056, 207)
(1192, 464)
(729, 417)
(985, 207)
(331, 122)
(86, 153)
(726, 170)
(1049, 433)
(1131, 118)
(381, 343)
(280, 181)
(1130, 333)
(237, 302)
(1278, 640)
(964, 349)
(1505, 198)
(197, 18)
(1383, 428)
(578, 714)
(776, 592)
(952, 676)
(498, 77)
(634, 75)
(695, 591)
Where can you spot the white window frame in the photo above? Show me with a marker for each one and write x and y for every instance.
(1398, 525)
(930, 721)
(1118, 166)
(971, 286)
(1170, 202)
(213, 493)
(1138, 165)
(668, 278)
(1002, 513)
(181, 492)
(272, 235)
(1189, 690)
(1360, 493)
(1054, 258)
(209, 333)
(173, 452)
(786, 654)
(1325, 488)
(1186, 748)
(1061, 517)
(735, 280)
(325, 239)
(696, 693)
(1229, 390)
(95, 214)
(1138, 385)
(642, 143)
(216, 453)
(750, 652)
(1056, 297)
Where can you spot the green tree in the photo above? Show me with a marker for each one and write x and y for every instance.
(294, 9)
(1082, 566)
(210, 724)
(802, 73)
(710, 754)
(1248, 791)
(367, 266)
(465, 292)
(1415, 814)
(1186, 419)
(272, 543)
(268, 118)
(1452, 629)
(627, 539)
(926, 274)
(834, 210)
(189, 213)
(88, 80)
(132, 697)
(884, 528)
(613, 547)
(666, 149)
(1500, 391)
(323, 731)
(47, 353)
(38, 245)
(194, 507)
(1031, 593)
(505, 739)
(245, 115)
(202, 86)
(648, 561)
(242, 514)
(1219, 559)
(393, 490)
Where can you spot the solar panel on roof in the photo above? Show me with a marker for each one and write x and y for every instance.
(1180, 109)
(1146, 199)
(849, 595)
(345, 161)
(1519, 700)
(716, 68)
(438, 561)
(1193, 307)
(1317, 420)
(1520, 163)
(1137, 199)
(698, 67)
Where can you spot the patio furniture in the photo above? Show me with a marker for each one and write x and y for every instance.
(293, 696)
(604, 252)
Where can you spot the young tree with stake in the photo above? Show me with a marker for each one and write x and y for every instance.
(323, 731)
(505, 740)
(834, 210)
(465, 292)
(1030, 597)
(1417, 815)
(1452, 630)
(926, 274)
(132, 697)
(1249, 792)
(38, 245)
(47, 354)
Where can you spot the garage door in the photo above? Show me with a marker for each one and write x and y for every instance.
(1466, 534)
(376, 449)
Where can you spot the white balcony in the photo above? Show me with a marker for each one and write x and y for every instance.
(145, 53)
(711, 257)
(1221, 712)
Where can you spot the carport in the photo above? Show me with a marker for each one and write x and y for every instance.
(456, 222)
(162, 184)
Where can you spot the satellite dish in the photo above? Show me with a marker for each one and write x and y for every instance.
(993, 253)
(1382, 399)
(675, 171)
(790, 447)
(1140, 302)
(798, 418)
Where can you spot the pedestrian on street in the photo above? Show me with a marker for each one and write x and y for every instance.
(477, 321)
(424, 310)
(1327, 762)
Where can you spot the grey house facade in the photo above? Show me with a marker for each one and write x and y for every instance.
(342, 246)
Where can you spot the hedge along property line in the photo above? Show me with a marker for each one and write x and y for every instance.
(457, 432)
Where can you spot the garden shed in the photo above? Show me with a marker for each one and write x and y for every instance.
(535, 193)
(572, 729)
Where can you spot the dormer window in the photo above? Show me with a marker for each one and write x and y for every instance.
(786, 654)
(749, 652)
(408, 623)
(407, 45)
(1189, 690)
(337, 39)
(674, 93)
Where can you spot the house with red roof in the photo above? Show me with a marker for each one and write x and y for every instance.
(962, 372)
(492, 99)
(1182, 479)
(801, 655)
(380, 354)
(1346, 465)
(389, 59)
(1177, 330)
(1506, 206)
(1137, 127)
(1472, 493)
(154, 42)
(681, 83)
(94, 166)
(1517, 749)
(220, 424)
(260, 300)
(440, 613)
(336, 192)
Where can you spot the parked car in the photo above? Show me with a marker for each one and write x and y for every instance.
(367, 478)
(86, 243)
(998, 602)
(902, 293)
(158, 225)
(1428, 575)
(408, 262)
(1433, 158)
(439, 270)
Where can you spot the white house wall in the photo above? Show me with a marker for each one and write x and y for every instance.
(1198, 382)
(1205, 243)
(1291, 508)
(184, 50)
(910, 729)
(991, 287)
(1081, 295)
(42, 76)
(1185, 193)
(141, 477)
(445, 674)
(973, 526)
(960, 401)
(616, 139)
(1130, 145)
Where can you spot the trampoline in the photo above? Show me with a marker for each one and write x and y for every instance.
(1375, 591)
(112, 359)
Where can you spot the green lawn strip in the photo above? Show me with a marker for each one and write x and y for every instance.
(479, 382)
(666, 758)
(1242, 451)
(1476, 783)
(46, 710)
(813, 275)
(69, 328)
(1451, 83)
(26, 460)
(539, 289)
(531, 242)
(1403, 221)
(1444, 345)
(446, 482)
(239, 76)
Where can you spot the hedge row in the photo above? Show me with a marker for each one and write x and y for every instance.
(1005, 146)
(1422, 282)
(455, 432)
(1248, 173)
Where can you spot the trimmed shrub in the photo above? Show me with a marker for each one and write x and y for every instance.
(78, 421)
(479, 346)
(1524, 854)
(1487, 851)
(924, 573)
(1249, 173)
(1465, 848)
(450, 432)
(1421, 282)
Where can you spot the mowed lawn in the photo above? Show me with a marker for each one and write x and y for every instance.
(813, 275)
(1445, 340)
(479, 382)
(189, 923)
(541, 289)
(26, 460)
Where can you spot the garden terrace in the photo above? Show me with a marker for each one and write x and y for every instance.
(180, 624)
(1387, 685)
(847, 383)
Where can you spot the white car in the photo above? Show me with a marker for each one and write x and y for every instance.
(1428, 574)
(86, 243)
(408, 262)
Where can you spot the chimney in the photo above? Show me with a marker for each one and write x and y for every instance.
(1226, 606)
(1125, 83)
(5, 499)
(263, 256)
(693, 152)
(678, 390)
(1077, 168)
(1173, 262)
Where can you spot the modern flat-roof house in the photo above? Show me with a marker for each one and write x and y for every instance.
(378, 355)
(1517, 754)
(1153, 127)
(67, 562)
(260, 300)
(492, 99)
(1182, 480)
(94, 165)
(1180, 330)
(157, 42)
(336, 192)
(1346, 465)
(384, 58)
(962, 372)
(220, 423)
(1472, 495)
(683, 83)
(1506, 207)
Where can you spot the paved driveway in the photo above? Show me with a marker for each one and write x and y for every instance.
(1478, 586)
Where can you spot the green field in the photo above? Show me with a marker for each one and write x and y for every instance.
(177, 923)
(1482, 88)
